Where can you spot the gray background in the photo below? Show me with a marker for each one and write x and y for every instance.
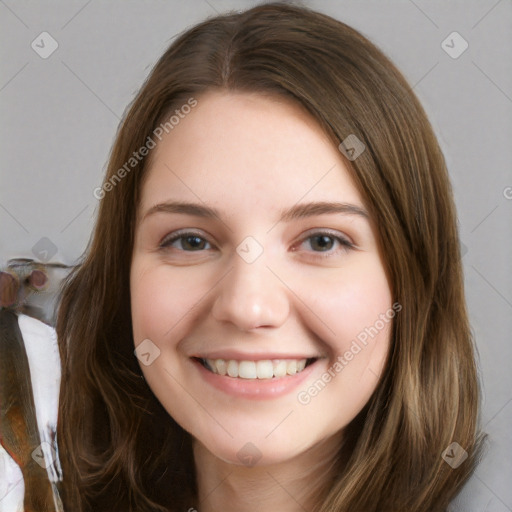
(60, 114)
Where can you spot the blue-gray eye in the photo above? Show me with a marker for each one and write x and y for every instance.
(325, 242)
(322, 242)
(186, 242)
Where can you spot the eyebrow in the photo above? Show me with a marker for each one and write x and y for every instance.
(298, 211)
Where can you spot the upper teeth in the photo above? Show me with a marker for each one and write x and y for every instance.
(265, 369)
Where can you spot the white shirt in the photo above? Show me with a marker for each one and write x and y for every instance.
(44, 363)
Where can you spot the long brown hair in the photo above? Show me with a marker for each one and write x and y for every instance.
(120, 450)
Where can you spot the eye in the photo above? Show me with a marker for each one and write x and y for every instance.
(186, 241)
(326, 242)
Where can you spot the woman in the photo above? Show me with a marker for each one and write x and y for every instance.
(277, 242)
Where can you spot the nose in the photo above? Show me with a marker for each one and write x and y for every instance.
(250, 297)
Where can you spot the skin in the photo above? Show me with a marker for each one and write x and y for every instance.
(250, 157)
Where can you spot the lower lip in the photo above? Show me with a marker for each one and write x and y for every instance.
(255, 389)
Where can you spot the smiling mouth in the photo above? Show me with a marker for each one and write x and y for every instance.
(251, 370)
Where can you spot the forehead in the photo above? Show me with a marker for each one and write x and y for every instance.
(248, 151)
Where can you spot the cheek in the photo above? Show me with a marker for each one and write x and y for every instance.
(351, 312)
(161, 298)
(356, 312)
(347, 301)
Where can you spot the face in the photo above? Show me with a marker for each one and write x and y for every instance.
(261, 307)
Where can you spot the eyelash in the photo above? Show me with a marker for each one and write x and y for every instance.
(345, 244)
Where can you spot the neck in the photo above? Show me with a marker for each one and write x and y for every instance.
(291, 486)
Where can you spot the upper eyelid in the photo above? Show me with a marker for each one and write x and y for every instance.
(326, 231)
(176, 235)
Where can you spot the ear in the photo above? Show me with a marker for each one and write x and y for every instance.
(9, 286)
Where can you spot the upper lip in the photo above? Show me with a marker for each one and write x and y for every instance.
(253, 356)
